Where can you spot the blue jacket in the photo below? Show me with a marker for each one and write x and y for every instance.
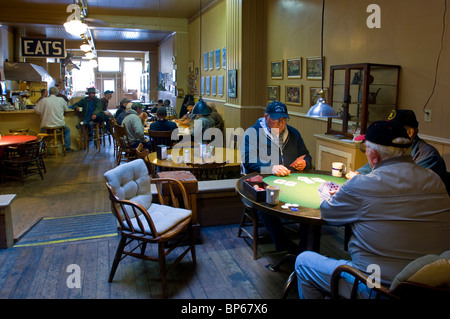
(255, 157)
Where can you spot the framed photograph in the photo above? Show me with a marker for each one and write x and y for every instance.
(207, 85)
(294, 68)
(276, 70)
(314, 68)
(232, 83)
(273, 93)
(294, 95)
(205, 61)
(218, 59)
(191, 66)
(224, 58)
(214, 85)
(220, 85)
(314, 94)
(211, 60)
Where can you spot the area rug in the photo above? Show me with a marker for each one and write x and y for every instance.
(55, 230)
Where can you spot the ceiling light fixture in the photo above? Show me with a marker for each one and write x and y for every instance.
(74, 25)
(89, 55)
(321, 108)
(201, 105)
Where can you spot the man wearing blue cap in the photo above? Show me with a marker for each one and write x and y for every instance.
(398, 212)
(271, 146)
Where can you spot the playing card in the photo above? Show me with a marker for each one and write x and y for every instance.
(318, 180)
(290, 183)
(325, 188)
(305, 180)
(279, 181)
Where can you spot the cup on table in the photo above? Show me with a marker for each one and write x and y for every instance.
(338, 169)
(272, 195)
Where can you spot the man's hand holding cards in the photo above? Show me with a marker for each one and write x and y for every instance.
(327, 190)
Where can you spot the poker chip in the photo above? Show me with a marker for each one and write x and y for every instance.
(285, 207)
(294, 209)
(294, 205)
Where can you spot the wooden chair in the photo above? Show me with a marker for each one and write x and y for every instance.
(424, 278)
(44, 140)
(142, 154)
(21, 161)
(160, 138)
(143, 222)
(207, 171)
(124, 150)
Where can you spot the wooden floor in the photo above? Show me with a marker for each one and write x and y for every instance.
(74, 184)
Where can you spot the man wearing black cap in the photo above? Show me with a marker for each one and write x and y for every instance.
(273, 147)
(398, 212)
(422, 153)
(91, 110)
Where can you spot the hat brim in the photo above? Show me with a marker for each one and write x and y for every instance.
(277, 116)
(360, 138)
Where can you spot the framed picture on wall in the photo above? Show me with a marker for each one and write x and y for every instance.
(218, 61)
(220, 85)
(273, 93)
(205, 61)
(232, 83)
(294, 95)
(211, 60)
(314, 68)
(276, 70)
(294, 68)
(224, 58)
(214, 85)
(314, 94)
(207, 85)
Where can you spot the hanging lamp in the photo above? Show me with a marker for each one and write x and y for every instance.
(321, 108)
(200, 106)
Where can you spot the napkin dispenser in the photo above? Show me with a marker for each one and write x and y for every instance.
(161, 152)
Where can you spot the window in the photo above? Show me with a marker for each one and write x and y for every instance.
(82, 78)
(132, 75)
(108, 64)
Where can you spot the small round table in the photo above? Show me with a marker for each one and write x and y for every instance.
(10, 140)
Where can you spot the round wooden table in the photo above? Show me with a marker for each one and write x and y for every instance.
(10, 140)
(221, 154)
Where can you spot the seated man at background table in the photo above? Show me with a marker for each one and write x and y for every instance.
(157, 106)
(162, 124)
(422, 153)
(171, 113)
(133, 124)
(120, 113)
(398, 212)
(52, 110)
(273, 147)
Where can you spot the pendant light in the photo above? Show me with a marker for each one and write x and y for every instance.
(201, 107)
(160, 87)
(321, 108)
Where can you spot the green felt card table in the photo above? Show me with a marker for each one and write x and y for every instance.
(304, 194)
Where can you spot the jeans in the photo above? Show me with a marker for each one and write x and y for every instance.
(314, 277)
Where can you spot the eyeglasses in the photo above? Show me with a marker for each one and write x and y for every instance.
(362, 147)
(280, 120)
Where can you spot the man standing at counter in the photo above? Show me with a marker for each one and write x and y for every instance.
(52, 110)
(91, 110)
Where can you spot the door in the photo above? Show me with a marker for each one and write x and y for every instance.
(110, 84)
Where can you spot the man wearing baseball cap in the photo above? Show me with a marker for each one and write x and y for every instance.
(422, 153)
(272, 146)
(398, 212)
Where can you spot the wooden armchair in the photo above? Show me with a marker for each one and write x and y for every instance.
(143, 222)
(207, 171)
(427, 277)
(124, 146)
(160, 138)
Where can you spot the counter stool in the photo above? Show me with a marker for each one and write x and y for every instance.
(84, 137)
(97, 136)
(56, 133)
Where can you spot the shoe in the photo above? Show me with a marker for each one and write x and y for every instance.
(69, 150)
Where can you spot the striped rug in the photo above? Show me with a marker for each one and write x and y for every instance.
(53, 230)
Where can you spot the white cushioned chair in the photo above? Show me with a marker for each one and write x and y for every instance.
(427, 277)
(143, 222)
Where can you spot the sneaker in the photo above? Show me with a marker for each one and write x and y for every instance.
(69, 150)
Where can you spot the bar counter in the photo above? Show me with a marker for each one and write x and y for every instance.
(31, 120)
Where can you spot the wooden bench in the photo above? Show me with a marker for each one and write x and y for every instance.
(217, 202)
